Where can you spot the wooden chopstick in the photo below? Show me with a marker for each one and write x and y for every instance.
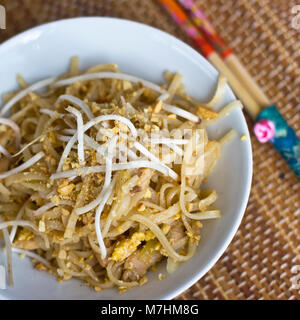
(198, 17)
(209, 52)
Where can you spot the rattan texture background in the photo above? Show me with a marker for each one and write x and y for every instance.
(258, 263)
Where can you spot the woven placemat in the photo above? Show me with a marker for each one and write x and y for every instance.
(259, 262)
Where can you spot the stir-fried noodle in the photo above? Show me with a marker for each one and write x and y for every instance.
(101, 174)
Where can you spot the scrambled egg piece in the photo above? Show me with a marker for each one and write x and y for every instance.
(25, 234)
(243, 137)
(206, 113)
(149, 235)
(126, 247)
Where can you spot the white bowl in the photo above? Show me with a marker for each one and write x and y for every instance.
(146, 52)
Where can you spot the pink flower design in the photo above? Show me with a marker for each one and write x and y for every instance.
(264, 130)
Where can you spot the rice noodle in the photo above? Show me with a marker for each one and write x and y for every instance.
(22, 223)
(63, 138)
(163, 216)
(9, 256)
(163, 189)
(69, 131)
(152, 205)
(33, 256)
(27, 146)
(38, 85)
(168, 141)
(48, 112)
(105, 196)
(205, 215)
(14, 126)
(94, 145)
(228, 137)
(5, 152)
(115, 167)
(224, 112)
(80, 134)
(174, 86)
(116, 281)
(177, 149)
(181, 112)
(76, 101)
(152, 157)
(108, 174)
(172, 265)
(110, 75)
(219, 92)
(50, 205)
(229, 108)
(23, 166)
(131, 154)
(14, 228)
(171, 143)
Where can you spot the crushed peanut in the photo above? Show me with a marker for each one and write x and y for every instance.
(158, 107)
(66, 190)
(206, 113)
(166, 228)
(243, 137)
(97, 289)
(62, 254)
(161, 276)
(141, 207)
(148, 194)
(40, 266)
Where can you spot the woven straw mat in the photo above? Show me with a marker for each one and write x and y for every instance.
(262, 258)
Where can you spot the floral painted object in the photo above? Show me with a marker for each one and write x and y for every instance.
(271, 126)
(264, 130)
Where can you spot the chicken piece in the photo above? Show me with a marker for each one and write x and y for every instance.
(26, 244)
(66, 189)
(4, 164)
(127, 200)
(139, 262)
(176, 232)
(145, 176)
(109, 249)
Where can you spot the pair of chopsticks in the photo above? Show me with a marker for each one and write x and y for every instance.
(270, 125)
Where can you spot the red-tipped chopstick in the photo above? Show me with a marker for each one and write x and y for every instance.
(209, 52)
(201, 21)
